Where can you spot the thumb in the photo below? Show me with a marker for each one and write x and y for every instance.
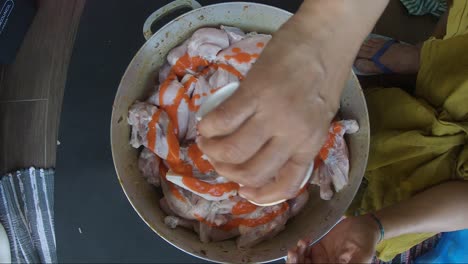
(229, 116)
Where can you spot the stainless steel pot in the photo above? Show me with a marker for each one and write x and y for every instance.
(314, 221)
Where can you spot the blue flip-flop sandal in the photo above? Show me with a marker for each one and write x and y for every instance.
(378, 55)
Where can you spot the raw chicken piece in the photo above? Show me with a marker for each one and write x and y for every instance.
(214, 234)
(183, 115)
(192, 132)
(183, 203)
(250, 236)
(165, 207)
(196, 52)
(207, 42)
(207, 233)
(208, 71)
(174, 101)
(336, 159)
(213, 228)
(202, 168)
(171, 88)
(209, 227)
(189, 82)
(222, 77)
(298, 203)
(149, 128)
(234, 34)
(174, 222)
(164, 72)
(214, 189)
(148, 163)
(202, 90)
(333, 167)
(199, 89)
(154, 97)
(178, 52)
(322, 179)
(139, 115)
(243, 54)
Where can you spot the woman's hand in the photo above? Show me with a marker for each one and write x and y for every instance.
(353, 240)
(267, 134)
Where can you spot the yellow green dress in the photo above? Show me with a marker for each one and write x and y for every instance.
(420, 140)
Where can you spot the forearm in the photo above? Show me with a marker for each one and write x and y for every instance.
(443, 208)
(342, 26)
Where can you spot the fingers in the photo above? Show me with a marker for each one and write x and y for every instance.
(318, 254)
(301, 250)
(299, 254)
(259, 170)
(292, 256)
(239, 146)
(286, 186)
(230, 115)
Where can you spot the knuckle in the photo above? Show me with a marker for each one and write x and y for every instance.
(230, 153)
(254, 182)
(222, 119)
(260, 178)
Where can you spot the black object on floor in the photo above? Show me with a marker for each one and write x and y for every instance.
(94, 221)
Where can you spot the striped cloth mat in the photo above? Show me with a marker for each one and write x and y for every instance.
(27, 213)
(423, 7)
(411, 255)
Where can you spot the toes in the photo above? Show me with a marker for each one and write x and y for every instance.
(370, 47)
(366, 66)
(366, 52)
(376, 42)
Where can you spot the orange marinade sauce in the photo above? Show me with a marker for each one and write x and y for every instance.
(243, 207)
(216, 190)
(241, 57)
(151, 135)
(236, 222)
(331, 139)
(196, 156)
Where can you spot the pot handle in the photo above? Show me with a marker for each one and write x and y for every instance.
(164, 11)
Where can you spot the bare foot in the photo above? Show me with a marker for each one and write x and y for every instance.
(400, 58)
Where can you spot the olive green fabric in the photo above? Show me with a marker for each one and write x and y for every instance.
(420, 140)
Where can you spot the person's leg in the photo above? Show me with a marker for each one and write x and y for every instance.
(400, 58)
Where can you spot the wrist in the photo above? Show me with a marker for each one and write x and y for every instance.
(392, 227)
(379, 225)
(372, 227)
